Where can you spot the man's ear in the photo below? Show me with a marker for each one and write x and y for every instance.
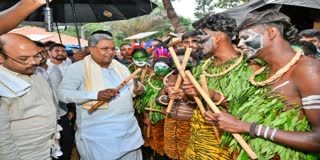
(272, 32)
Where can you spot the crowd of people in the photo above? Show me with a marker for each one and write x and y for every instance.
(262, 75)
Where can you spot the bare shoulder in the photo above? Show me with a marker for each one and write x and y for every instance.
(306, 76)
(307, 67)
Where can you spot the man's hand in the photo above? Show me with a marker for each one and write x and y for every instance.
(227, 122)
(71, 115)
(177, 94)
(190, 90)
(40, 2)
(139, 90)
(107, 94)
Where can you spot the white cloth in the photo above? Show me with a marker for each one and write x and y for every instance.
(54, 79)
(63, 66)
(56, 72)
(12, 86)
(28, 122)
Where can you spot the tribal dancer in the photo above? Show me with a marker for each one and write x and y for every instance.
(177, 124)
(227, 75)
(140, 60)
(154, 118)
(281, 114)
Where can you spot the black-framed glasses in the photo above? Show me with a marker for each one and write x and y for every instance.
(37, 57)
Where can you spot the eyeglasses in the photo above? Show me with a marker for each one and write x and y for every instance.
(106, 49)
(28, 60)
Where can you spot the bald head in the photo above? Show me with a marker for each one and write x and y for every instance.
(18, 53)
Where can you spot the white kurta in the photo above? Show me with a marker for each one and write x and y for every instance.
(106, 134)
(28, 122)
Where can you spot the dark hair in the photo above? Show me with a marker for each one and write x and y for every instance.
(307, 47)
(188, 34)
(56, 45)
(161, 43)
(123, 44)
(49, 43)
(181, 52)
(271, 18)
(101, 32)
(136, 50)
(310, 33)
(39, 44)
(217, 22)
(163, 59)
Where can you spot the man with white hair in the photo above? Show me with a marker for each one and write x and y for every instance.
(112, 131)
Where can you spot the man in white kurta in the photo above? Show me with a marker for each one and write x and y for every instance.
(28, 119)
(110, 132)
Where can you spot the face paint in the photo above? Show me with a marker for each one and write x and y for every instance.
(140, 59)
(207, 45)
(253, 41)
(161, 69)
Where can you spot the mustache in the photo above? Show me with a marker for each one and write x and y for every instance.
(32, 67)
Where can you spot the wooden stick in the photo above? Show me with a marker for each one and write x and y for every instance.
(205, 88)
(211, 104)
(150, 114)
(100, 103)
(155, 110)
(143, 74)
(179, 79)
(183, 75)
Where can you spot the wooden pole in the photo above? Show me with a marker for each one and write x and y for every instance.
(154, 110)
(150, 114)
(179, 79)
(100, 103)
(211, 104)
(205, 88)
(183, 75)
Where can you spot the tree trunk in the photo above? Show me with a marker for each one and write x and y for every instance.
(171, 13)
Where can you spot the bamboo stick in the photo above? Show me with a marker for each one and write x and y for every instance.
(143, 74)
(205, 88)
(179, 79)
(100, 103)
(155, 110)
(183, 75)
(150, 114)
(211, 104)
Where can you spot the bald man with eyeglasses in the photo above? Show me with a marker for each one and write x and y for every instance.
(28, 118)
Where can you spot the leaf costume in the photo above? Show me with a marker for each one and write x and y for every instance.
(254, 104)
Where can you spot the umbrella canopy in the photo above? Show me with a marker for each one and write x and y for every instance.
(303, 13)
(89, 10)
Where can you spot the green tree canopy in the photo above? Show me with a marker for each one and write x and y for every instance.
(203, 7)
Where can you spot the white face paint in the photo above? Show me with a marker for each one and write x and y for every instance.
(160, 65)
(252, 40)
(139, 63)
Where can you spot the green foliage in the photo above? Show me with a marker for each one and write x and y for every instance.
(91, 27)
(68, 30)
(228, 3)
(203, 7)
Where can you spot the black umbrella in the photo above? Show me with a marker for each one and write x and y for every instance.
(86, 11)
(90, 10)
(303, 13)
